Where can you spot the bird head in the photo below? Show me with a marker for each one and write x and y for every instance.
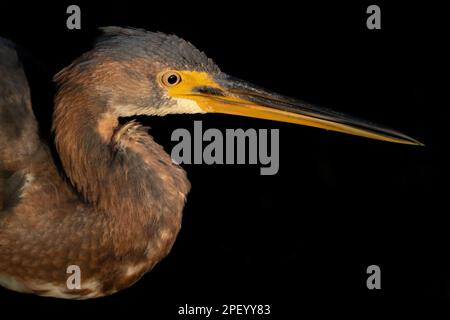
(146, 73)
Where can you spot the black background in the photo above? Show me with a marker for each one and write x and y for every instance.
(302, 239)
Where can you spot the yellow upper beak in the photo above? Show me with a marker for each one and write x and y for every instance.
(223, 94)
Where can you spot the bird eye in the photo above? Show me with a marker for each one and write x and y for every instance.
(171, 78)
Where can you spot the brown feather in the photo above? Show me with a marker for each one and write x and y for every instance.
(116, 209)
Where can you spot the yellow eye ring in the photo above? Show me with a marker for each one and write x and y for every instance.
(170, 78)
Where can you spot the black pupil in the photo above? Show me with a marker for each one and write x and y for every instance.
(172, 79)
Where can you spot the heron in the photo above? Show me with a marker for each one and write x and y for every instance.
(113, 204)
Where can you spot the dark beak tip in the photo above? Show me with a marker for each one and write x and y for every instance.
(420, 144)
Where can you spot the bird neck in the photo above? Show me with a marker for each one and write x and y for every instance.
(119, 169)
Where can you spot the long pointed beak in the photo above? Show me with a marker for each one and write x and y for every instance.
(236, 97)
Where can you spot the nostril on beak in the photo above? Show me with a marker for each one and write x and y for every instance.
(209, 91)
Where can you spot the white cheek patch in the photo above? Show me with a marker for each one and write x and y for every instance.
(183, 106)
(187, 106)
